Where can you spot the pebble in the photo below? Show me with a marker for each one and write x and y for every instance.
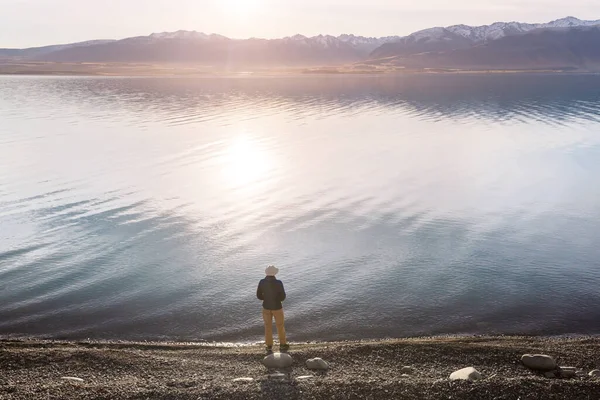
(317, 363)
(595, 373)
(407, 370)
(568, 372)
(304, 377)
(243, 379)
(277, 375)
(581, 374)
(540, 362)
(277, 360)
(72, 379)
(465, 374)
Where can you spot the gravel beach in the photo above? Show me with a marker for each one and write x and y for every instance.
(358, 370)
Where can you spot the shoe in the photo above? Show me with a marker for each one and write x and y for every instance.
(269, 349)
(284, 347)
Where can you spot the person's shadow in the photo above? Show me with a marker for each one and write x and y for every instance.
(279, 384)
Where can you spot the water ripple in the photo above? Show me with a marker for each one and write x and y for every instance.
(147, 208)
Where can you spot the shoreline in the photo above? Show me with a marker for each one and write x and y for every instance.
(47, 340)
(176, 70)
(358, 369)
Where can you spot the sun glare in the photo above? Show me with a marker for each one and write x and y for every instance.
(245, 163)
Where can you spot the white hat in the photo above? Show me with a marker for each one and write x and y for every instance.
(271, 270)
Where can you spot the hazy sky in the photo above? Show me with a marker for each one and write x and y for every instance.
(26, 23)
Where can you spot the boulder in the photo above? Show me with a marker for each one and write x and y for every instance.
(245, 380)
(317, 363)
(407, 370)
(595, 373)
(539, 362)
(277, 360)
(465, 374)
(567, 372)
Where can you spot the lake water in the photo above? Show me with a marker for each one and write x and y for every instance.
(148, 208)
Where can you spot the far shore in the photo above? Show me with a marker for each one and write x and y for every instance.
(166, 70)
(35, 369)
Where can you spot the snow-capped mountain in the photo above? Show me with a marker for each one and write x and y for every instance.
(367, 41)
(216, 50)
(569, 48)
(365, 44)
(361, 44)
(569, 22)
(186, 35)
(499, 29)
(324, 41)
(464, 36)
(298, 50)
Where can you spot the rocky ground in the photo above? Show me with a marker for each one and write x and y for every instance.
(358, 370)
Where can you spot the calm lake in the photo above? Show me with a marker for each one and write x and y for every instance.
(148, 208)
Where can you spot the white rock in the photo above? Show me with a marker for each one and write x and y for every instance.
(595, 373)
(317, 363)
(540, 362)
(305, 377)
(568, 372)
(405, 376)
(277, 360)
(407, 370)
(72, 379)
(277, 375)
(465, 374)
(243, 379)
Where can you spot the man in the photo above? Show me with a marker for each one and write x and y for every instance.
(271, 292)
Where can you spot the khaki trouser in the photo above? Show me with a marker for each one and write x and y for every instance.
(268, 318)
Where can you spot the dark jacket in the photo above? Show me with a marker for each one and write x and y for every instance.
(271, 292)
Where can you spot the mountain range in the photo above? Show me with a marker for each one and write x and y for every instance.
(209, 49)
(568, 42)
(565, 49)
(463, 36)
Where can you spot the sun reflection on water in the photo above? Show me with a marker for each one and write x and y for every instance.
(246, 163)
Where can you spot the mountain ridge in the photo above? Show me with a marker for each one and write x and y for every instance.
(564, 48)
(456, 37)
(214, 50)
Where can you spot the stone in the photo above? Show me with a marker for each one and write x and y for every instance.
(595, 373)
(317, 363)
(72, 379)
(567, 372)
(465, 374)
(407, 370)
(550, 374)
(305, 377)
(277, 360)
(580, 373)
(243, 380)
(405, 376)
(277, 375)
(539, 362)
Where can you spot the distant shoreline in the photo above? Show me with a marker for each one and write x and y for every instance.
(362, 369)
(165, 70)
